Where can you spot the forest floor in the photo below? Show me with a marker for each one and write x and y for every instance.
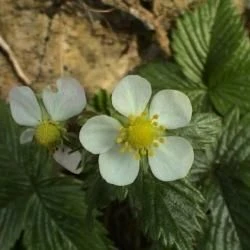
(95, 41)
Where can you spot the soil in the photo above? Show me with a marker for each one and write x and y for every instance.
(94, 42)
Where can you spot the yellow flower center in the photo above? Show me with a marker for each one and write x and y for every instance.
(48, 134)
(141, 135)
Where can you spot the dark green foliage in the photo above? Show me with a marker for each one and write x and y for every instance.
(45, 210)
(169, 75)
(227, 195)
(212, 67)
(202, 130)
(212, 54)
(101, 102)
(168, 212)
(49, 209)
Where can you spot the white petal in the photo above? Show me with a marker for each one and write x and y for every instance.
(24, 107)
(131, 95)
(173, 107)
(99, 134)
(118, 168)
(68, 160)
(27, 135)
(67, 102)
(173, 159)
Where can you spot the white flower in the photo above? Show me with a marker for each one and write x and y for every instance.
(46, 127)
(121, 145)
(68, 159)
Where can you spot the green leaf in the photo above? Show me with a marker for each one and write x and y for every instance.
(202, 131)
(220, 232)
(212, 52)
(207, 38)
(11, 221)
(203, 159)
(164, 75)
(56, 218)
(227, 194)
(14, 183)
(169, 212)
(49, 209)
(212, 48)
(101, 102)
(99, 193)
(18, 246)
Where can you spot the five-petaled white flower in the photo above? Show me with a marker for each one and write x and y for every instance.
(46, 121)
(121, 145)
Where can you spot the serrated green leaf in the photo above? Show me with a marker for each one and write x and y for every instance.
(228, 196)
(207, 38)
(49, 209)
(11, 221)
(220, 230)
(14, 183)
(169, 212)
(56, 218)
(164, 75)
(212, 48)
(201, 168)
(202, 130)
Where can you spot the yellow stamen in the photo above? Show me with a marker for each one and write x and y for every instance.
(140, 135)
(161, 140)
(119, 140)
(150, 152)
(161, 128)
(48, 134)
